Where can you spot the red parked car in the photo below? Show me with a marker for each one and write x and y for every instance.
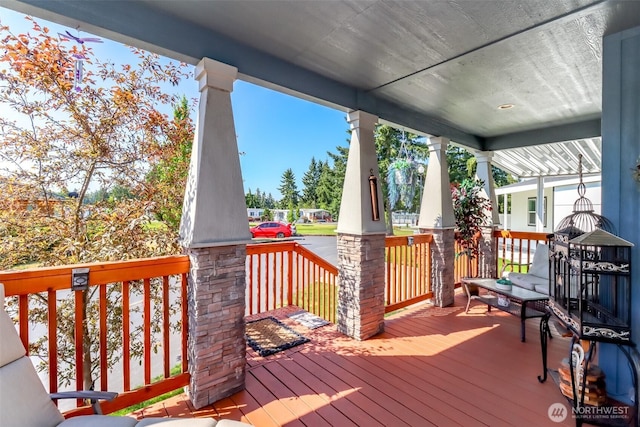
(271, 229)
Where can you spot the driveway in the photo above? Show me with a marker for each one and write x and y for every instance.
(323, 246)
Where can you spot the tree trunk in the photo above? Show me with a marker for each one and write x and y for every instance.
(388, 213)
(87, 360)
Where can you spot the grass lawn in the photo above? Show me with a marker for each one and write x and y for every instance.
(520, 268)
(319, 298)
(403, 231)
(316, 229)
(174, 371)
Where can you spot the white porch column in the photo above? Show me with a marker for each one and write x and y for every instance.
(355, 208)
(540, 204)
(483, 172)
(437, 218)
(214, 211)
(487, 265)
(214, 231)
(507, 213)
(361, 237)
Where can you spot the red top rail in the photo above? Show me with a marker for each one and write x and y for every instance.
(152, 277)
(20, 282)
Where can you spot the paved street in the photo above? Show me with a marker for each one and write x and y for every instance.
(323, 246)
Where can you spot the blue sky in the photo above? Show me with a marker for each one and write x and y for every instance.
(275, 131)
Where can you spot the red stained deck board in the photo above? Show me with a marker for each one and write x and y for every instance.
(476, 401)
(424, 379)
(343, 369)
(441, 378)
(407, 397)
(348, 401)
(263, 395)
(276, 385)
(252, 410)
(519, 370)
(321, 402)
(430, 366)
(226, 408)
(180, 408)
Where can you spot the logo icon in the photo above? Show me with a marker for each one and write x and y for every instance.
(557, 412)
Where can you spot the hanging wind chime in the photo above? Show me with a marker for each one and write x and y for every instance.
(78, 65)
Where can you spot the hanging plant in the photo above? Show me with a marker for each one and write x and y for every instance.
(403, 170)
(401, 181)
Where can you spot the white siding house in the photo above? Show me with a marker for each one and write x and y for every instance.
(255, 213)
(559, 193)
(281, 215)
(314, 215)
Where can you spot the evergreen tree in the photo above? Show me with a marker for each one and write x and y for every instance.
(325, 189)
(251, 200)
(458, 160)
(293, 211)
(310, 182)
(501, 177)
(268, 201)
(267, 215)
(100, 195)
(462, 165)
(333, 192)
(119, 193)
(288, 189)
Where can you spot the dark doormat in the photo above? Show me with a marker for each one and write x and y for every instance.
(268, 336)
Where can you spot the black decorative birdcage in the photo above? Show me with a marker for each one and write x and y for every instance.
(590, 275)
(591, 291)
(583, 219)
(590, 294)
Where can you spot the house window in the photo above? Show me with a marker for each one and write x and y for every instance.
(531, 211)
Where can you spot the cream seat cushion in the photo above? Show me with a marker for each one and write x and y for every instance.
(537, 278)
(529, 281)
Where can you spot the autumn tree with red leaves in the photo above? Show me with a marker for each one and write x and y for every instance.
(57, 141)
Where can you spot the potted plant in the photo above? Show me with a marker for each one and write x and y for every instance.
(470, 208)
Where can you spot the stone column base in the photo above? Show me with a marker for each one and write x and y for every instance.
(216, 345)
(488, 257)
(442, 265)
(361, 285)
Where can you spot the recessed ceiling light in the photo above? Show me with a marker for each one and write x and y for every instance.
(505, 106)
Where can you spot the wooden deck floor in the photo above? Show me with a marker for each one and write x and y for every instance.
(431, 367)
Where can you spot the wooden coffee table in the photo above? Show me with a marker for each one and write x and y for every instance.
(517, 301)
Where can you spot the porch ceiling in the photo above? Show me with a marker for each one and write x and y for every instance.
(435, 67)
